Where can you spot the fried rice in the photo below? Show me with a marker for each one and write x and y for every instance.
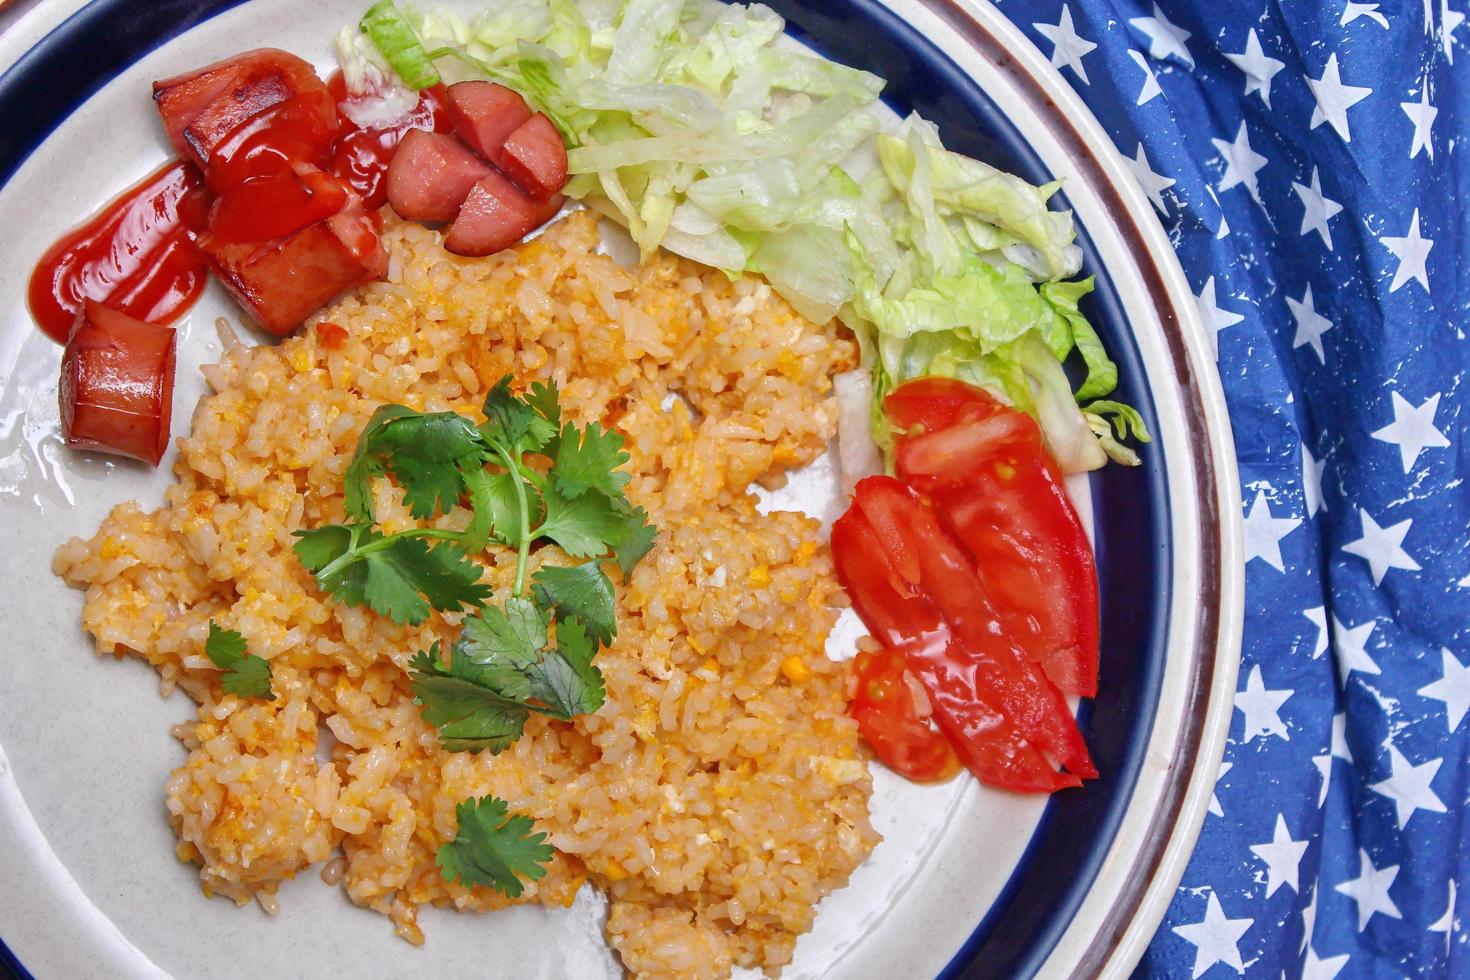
(719, 793)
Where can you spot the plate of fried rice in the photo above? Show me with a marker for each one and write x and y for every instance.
(719, 814)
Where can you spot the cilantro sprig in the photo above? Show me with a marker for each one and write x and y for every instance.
(524, 477)
(493, 847)
(243, 674)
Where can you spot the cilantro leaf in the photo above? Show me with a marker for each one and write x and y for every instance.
(427, 453)
(639, 541)
(512, 422)
(494, 847)
(581, 591)
(545, 400)
(244, 674)
(585, 526)
(505, 517)
(503, 645)
(318, 547)
(398, 576)
(428, 487)
(357, 481)
(225, 648)
(565, 680)
(327, 552)
(252, 679)
(399, 573)
(469, 716)
(480, 488)
(589, 460)
(507, 650)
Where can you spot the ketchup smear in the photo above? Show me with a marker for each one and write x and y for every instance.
(134, 256)
(137, 254)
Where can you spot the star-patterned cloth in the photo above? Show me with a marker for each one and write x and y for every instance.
(1308, 160)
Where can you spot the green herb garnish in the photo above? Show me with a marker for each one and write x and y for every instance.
(509, 662)
(243, 674)
(493, 847)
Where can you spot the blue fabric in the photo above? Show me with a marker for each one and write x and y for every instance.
(1289, 151)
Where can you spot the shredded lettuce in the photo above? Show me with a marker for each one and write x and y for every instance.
(395, 39)
(694, 125)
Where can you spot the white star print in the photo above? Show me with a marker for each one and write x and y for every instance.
(1412, 429)
(1312, 483)
(1068, 47)
(1165, 39)
(1412, 251)
(1263, 533)
(1450, 20)
(1259, 68)
(1224, 225)
(1216, 938)
(1356, 10)
(1446, 922)
(1153, 184)
(1309, 919)
(1453, 688)
(1318, 617)
(1317, 210)
(1340, 749)
(1351, 648)
(1283, 857)
(1370, 890)
(1421, 114)
(1310, 325)
(1216, 319)
(1324, 767)
(1150, 80)
(1409, 786)
(1241, 163)
(1334, 99)
(1382, 547)
(1315, 969)
(1261, 708)
(1215, 807)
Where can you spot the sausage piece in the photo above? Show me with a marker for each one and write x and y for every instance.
(283, 281)
(535, 158)
(484, 114)
(117, 384)
(495, 215)
(430, 176)
(202, 107)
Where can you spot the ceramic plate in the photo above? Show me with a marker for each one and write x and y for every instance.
(968, 880)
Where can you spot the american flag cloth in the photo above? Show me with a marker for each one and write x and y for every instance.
(1308, 160)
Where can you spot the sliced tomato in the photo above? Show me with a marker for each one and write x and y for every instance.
(994, 487)
(888, 717)
(932, 403)
(1008, 723)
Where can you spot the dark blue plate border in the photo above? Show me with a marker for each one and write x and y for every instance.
(1131, 506)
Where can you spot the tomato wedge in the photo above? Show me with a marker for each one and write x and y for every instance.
(1007, 721)
(883, 706)
(930, 404)
(983, 466)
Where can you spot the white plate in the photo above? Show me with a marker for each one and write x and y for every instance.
(88, 882)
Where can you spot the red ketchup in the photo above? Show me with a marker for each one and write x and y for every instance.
(360, 157)
(137, 255)
(133, 256)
